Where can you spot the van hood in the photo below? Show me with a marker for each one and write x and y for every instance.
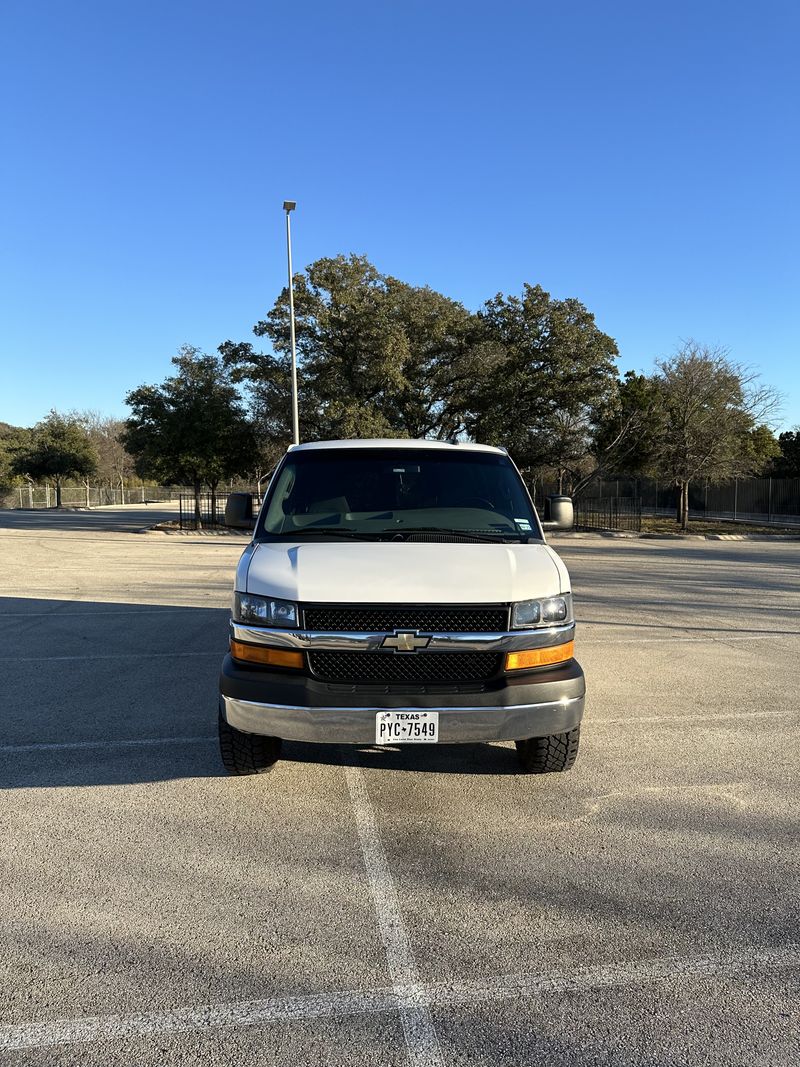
(363, 572)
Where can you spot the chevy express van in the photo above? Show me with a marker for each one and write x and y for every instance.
(400, 592)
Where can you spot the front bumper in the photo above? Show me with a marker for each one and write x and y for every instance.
(301, 708)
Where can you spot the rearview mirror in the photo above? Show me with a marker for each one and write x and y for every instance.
(239, 511)
(559, 514)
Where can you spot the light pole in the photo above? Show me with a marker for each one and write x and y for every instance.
(288, 207)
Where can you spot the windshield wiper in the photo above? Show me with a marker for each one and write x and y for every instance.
(397, 533)
(330, 530)
(490, 539)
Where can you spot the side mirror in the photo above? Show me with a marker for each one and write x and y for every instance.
(239, 511)
(559, 514)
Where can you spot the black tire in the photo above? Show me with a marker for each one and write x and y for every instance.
(544, 755)
(246, 753)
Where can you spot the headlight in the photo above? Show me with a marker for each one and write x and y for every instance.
(527, 614)
(264, 611)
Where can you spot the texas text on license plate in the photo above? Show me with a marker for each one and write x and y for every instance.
(406, 727)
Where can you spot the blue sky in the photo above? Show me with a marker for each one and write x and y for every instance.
(640, 157)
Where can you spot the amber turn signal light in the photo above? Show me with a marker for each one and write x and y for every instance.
(269, 657)
(540, 657)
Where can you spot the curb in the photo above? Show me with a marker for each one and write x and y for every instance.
(624, 535)
(61, 510)
(158, 528)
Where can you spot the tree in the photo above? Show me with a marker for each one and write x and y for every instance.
(377, 357)
(541, 376)
(115, 466)
(13, 440)
(435, 336)
(192, 428)
(713, 416)
(627, 436)
(59, 447)
(787, 463)
(760, 449)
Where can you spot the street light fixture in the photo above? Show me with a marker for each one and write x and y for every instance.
(288, 207)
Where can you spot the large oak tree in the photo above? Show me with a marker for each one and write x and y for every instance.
(542, 374)
(380, 357)
(377, 357)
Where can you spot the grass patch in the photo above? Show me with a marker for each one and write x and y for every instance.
(659, 524)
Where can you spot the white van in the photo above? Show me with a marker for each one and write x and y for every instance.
(400, 592)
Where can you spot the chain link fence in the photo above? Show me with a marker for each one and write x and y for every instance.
(82, 496)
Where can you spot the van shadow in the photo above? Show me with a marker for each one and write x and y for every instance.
(472, 758)
(108, 693)
(123, 693)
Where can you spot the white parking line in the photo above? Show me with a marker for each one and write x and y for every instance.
(699, 635)
(110, 655)
(207, 1017)
(413, 1005)
(93, 613)
(615, 975)
(133, 742)
(400, 998)
(704, 720)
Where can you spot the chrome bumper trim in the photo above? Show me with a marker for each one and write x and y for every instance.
(510, 722)
(309, 640)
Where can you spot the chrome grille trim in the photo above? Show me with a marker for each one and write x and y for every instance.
(308, 640)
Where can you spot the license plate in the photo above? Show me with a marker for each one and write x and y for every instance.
(406, 727)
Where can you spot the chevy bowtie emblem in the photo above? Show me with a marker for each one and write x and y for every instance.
(405, 641)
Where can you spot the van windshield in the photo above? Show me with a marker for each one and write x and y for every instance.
(397, 494)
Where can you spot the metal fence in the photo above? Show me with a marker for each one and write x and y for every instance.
(212, 510)
(768, 501)
(611, 504)
(91, 496)
(608, 513)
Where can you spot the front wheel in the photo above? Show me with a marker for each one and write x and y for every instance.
(246, 753)
(542, 755)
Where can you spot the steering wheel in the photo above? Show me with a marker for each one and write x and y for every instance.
(478, 501)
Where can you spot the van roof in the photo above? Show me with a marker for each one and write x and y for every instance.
(397, 442)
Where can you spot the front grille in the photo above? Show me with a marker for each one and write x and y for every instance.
(416, 668)
(484, 618)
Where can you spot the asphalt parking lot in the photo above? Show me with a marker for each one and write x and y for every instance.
(425, 906)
